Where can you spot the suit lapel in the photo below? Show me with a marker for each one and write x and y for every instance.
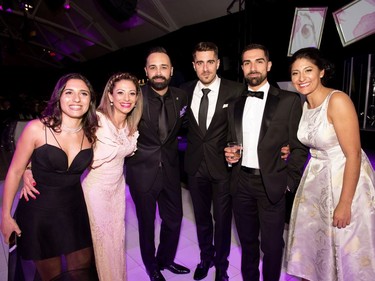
(221, 99)
(269, 111)
(146, 109)
(238, 113)
(190, 91)
(193, 123)
(176, 100)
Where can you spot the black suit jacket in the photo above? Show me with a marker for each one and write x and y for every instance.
(279, 127)
(211, 145)
(151, 153)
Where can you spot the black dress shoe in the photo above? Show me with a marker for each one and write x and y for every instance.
(176, 268)
(221, 275)
(155, 275)
(202, 269)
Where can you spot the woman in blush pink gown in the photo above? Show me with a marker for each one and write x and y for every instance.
(119, 112)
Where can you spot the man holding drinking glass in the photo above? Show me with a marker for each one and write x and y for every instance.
(208, 172)
(264, 120)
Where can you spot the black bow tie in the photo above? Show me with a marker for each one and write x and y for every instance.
(258, 94)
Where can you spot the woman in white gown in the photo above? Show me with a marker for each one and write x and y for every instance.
(119, 112)
(332, 227)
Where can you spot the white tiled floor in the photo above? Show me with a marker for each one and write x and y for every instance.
(187, 254)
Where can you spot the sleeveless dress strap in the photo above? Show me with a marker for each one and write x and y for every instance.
(55, 138)
(83, 137)
(324, 109)
(330, 95)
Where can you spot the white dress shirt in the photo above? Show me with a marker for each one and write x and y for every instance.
(212, 99)
(251, 122)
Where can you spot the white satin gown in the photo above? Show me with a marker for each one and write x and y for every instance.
(316, 250)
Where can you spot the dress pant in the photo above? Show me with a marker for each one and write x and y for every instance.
(214, 237)
(169, 202)
(254, 213)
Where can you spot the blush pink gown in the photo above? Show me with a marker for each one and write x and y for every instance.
(104, 190)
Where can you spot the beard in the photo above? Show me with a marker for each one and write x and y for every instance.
(159, 85)
(255, 81)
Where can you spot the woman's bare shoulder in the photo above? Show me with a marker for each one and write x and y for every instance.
(339, 98)
(34, 128)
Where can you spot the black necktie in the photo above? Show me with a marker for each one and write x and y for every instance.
(163, 119)
(258, 94)
(203, 108)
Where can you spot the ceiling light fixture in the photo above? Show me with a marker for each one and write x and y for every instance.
(26, 5)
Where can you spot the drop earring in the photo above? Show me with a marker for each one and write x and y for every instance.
(111, 103)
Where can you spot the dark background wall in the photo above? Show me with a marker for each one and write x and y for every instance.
(263, 21)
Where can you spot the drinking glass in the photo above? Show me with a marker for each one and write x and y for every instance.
(237, 153)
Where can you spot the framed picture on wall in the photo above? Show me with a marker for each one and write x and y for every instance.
(355, 21)
(307, 28)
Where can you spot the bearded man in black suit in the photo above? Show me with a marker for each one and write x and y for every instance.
(152, 173)
(264, 119)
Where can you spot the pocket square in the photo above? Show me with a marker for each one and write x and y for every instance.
(183, 111)
(225, 105)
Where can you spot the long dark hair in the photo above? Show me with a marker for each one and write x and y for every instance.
(313, 54)
(52, 116)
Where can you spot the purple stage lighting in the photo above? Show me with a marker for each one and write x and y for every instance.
(67, 5)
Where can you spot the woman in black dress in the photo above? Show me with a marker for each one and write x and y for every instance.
(59, 146)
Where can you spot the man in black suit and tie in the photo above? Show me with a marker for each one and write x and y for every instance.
(153, 171)
(208, 174)
(263, 122)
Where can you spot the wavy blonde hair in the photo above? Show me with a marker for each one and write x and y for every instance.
(133, 117)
